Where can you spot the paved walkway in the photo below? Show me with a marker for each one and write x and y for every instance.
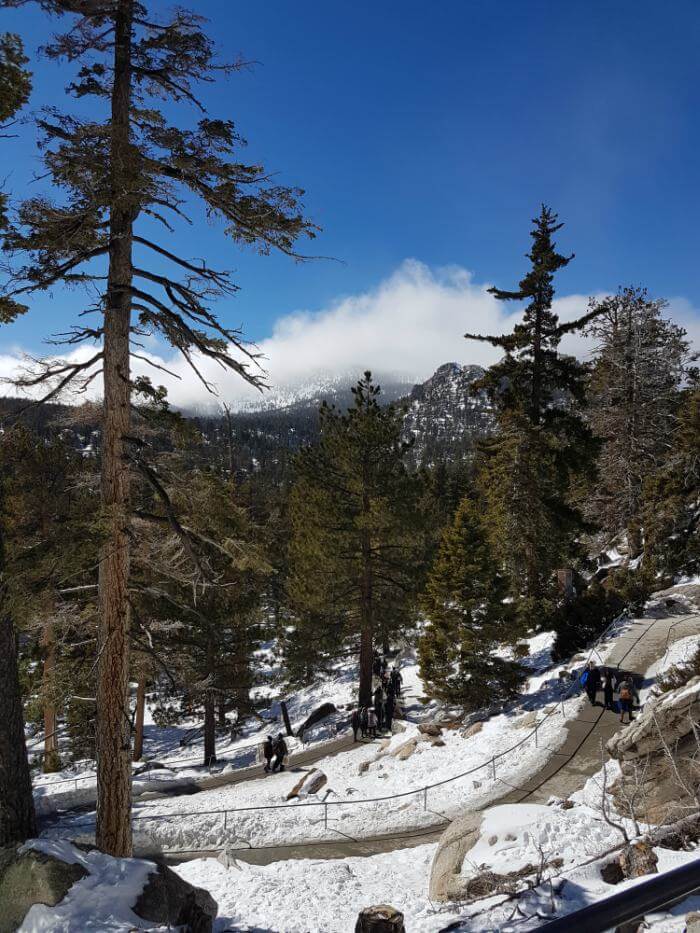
(642, 642)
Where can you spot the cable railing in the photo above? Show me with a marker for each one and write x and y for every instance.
(422, 793)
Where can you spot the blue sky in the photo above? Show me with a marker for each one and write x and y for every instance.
(433, 131)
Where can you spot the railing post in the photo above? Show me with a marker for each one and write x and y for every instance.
(493, 767)
(536, 727)
(325, 815)
(225, 815)
(425, 798)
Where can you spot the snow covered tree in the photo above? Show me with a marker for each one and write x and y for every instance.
(354, 553)
(641, 361)
(124, 173)
(467, 617)
(543, 445)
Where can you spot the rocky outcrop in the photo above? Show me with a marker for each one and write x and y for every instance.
(658, 756)
(322, 712)
(310, 783)
(634, 861)
(446, 883)
(430, 729)
(169, 900)
(31, 877)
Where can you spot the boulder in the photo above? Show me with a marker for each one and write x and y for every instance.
(169, 900)
(321, 712)
(310, 783)
(634, 861)
(430, 728)
(406, 749)
(363, 767)
(29, 877)
(460, 836)
(398, 726)
(380, 919)
(437, 742)
(475, 728)
(645, 748)
(692, 922)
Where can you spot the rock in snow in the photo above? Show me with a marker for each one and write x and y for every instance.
(310, 783)
(29, 877)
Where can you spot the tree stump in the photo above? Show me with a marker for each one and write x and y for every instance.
(380, 919)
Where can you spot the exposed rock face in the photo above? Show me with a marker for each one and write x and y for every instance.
(324, 710)
(167, 899)
(310, 783)
(430, 728)
(459, 837)
(380, 919)
(32, 877)
(664, 789)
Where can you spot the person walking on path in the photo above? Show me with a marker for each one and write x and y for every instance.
(281, 752)
(372, 722)
(396, 681)
(355, 723)
(608, 690)
(379, 704)
(388, 711)
(590, 679)
(268, 752)
(363, 722)
(626, 700)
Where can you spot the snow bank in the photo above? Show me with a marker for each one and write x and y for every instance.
(302, 895)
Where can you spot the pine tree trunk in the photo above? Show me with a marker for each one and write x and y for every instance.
(138, 724)
(17, 819)
(209, 728)
(366, 607)
(113, 825)
(51, 762)
(221, 712)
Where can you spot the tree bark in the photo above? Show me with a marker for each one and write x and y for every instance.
(209, 728)
(113, 825)
(17, 819)
(140, 712)
(366, 607)
(51, 760)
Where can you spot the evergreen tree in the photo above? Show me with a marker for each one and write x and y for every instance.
(467, 617)
(354, 554)
(123, 175)
(641, 361)
(543, 446)
(17, 820)
(671, 499)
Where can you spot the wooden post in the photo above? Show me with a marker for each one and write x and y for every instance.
(285, 716)
(565, 580)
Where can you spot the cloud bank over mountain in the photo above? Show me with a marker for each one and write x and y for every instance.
(408, 325)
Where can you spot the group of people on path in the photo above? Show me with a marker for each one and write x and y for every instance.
(277, 749)
(368, 720)
(611, 681)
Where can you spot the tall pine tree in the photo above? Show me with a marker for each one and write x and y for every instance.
(641, 361)
(17, 821)
(353, 513)
(543, 445)
(467, 617)
(125, 175)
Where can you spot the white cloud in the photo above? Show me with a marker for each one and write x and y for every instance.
(409, 324)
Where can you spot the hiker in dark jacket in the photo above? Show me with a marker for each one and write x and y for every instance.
(379, 705)
(388, 711)
(363, 721)
(591, 682)
(355, 723)
(268, 752)
(281, 751)
(608, 690)
(396, 681)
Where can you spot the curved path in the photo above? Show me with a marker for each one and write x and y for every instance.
(642, 642)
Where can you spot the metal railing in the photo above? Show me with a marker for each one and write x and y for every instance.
(422, 792)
